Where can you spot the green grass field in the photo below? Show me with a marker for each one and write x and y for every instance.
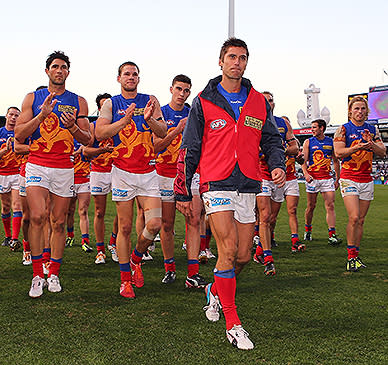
(312, 312)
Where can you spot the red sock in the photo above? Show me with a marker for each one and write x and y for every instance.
(136, 257)
(26, 246)
(112, 240)
(267, 259)
(125, 276)
(85, 240)
(70, 234)
(54, 267)
(213, 289)
(352, 252)
(259, 250)
(7, 224)
(331, 231)
(202, 246)
(226, 289)
(170, 266)
(46, 255)
(192, 267)
(16, 224)
(100, 247)
(37, 267)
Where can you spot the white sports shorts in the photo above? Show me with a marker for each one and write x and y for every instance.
(364, 191)
(100, 182)
(8, 183)
(242, 204)
(320, 186)
(126, 185)
(57, 181)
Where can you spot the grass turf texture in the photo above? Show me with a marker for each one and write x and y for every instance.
(312, 312)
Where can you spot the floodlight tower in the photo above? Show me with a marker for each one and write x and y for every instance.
(231, 19)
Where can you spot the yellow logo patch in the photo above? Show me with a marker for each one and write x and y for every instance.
(253, 122)
(66, 108)
(138, 111)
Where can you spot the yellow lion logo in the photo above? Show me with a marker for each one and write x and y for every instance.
(130, 138)
(358, 158)
(320, 162)
(52, 133)
(172, 149)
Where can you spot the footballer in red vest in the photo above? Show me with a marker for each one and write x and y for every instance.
(228, 123)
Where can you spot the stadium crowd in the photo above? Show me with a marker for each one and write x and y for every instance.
(226, 163)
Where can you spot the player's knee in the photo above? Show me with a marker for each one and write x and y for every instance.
(58, 225)
(154, 225)
(83, 211)
(291, 211)
(5, 207)
(99, 214)
(125, 229)
(38, 219)
(153, 220)
(310, 207)
(354, 219)
(361, 221)
(167, 225)
(265, 217)
(243, 259)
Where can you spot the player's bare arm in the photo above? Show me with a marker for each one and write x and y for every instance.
(21, 148)
(341, 151)
(154, 117)
(307, 176)
(104, 126)
(377, 145)
(91, 152)
(78, 126)
(161, 143)
(292, 142)
(26, 124)
(3, 151)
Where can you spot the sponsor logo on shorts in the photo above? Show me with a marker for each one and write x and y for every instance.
(310, 188)
(1, 188)
(22, 189)
(253, 122)
(215, 202)
(33, 179)
(120, 193)
(217, 124)
(264, 189)
(349, 189)
(96, 189)
(165, 192)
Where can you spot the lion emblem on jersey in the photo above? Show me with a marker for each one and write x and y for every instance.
(358, 158)
(51, 133)
(131, 138)
(320, 162)
(172, 150)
